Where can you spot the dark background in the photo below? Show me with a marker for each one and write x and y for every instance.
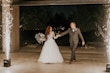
(34, 19)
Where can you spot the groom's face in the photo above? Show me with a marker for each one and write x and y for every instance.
(73, 25)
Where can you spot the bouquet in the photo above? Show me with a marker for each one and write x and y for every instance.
(40, 38)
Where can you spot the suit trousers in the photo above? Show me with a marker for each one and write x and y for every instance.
(73, 49)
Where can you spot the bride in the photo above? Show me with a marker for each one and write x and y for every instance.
(50, 51)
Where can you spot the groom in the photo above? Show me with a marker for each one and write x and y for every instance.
(74, 35)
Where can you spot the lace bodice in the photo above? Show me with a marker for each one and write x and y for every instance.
(51, 35)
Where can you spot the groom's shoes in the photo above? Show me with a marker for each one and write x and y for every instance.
(72, 61)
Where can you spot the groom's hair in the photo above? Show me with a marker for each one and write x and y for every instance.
(73, 23)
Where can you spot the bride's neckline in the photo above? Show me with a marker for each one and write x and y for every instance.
(50, 32)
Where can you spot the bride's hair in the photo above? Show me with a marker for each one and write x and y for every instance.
(47, 32)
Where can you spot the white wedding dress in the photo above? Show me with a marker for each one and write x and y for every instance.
(50, 51)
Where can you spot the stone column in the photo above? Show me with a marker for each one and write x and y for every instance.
(15, 46)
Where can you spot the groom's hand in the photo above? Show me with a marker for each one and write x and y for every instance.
(58, 35)
(83, 43)
(55, 37)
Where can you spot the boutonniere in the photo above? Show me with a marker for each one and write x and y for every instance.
(74, 29)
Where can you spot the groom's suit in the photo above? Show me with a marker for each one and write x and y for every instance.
(74, 35)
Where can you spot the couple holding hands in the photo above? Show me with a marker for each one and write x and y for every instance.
(50, 52)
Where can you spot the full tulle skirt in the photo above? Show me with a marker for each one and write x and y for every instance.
(50, 53)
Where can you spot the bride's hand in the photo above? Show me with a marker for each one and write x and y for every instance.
(56, 37)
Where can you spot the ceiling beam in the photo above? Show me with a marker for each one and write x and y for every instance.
(60, 2)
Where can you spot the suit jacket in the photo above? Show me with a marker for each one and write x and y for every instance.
(73, 36)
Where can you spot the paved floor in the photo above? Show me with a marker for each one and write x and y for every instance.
(90, 60)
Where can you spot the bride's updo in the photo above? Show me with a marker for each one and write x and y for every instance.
(47, 32)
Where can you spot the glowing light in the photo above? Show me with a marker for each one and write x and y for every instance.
(108, 32)
(7, 19)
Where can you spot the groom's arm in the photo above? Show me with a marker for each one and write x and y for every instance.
(64, 33)
(80, 35)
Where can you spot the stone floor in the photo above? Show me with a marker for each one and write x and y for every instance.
(89, 60)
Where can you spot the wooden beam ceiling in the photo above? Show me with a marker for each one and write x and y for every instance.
(58, 2)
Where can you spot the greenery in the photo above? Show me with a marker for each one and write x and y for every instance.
(39, 17)
(34, 17)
